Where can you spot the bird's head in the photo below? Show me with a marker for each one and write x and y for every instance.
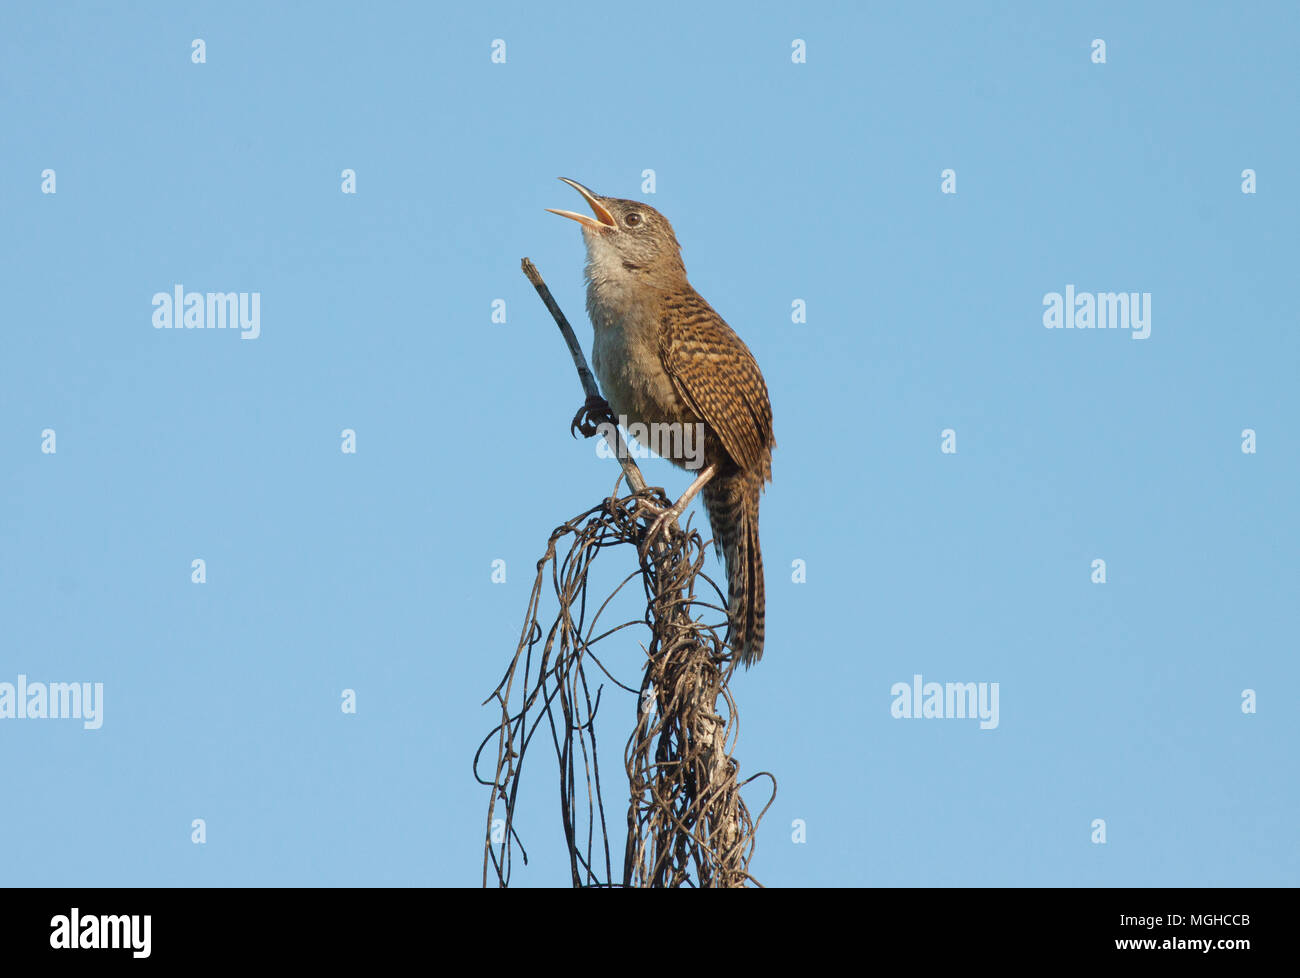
(625, 238)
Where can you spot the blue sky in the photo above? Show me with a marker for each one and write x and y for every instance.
(818, 181)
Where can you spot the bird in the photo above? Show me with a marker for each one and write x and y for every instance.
(664, 356)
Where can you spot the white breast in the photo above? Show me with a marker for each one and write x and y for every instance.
(625, 357)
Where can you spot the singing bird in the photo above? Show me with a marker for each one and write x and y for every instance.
(663, 356)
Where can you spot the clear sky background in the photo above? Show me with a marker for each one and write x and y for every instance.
(819, 181)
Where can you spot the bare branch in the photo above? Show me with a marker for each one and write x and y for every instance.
(589, 385)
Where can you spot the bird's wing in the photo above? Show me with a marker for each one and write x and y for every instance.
(714, 372)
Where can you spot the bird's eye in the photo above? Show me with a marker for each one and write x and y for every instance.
(632, 220)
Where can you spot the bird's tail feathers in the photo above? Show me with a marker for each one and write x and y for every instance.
(732, 504)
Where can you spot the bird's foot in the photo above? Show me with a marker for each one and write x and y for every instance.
(590, 416)
(669, 515)
(665, 517)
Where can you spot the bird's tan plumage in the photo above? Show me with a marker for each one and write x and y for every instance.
(715, 374)
(713, 371)
(663, 355)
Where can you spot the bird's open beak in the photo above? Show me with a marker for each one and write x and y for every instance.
(604, 220)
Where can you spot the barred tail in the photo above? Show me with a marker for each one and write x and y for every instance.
(732, 504)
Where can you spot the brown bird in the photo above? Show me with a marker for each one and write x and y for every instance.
(663, 356)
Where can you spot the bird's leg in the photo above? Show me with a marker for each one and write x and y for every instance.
(590, 415)
(676, 509)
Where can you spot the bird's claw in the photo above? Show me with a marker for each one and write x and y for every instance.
(663, 516)
(590, 416)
